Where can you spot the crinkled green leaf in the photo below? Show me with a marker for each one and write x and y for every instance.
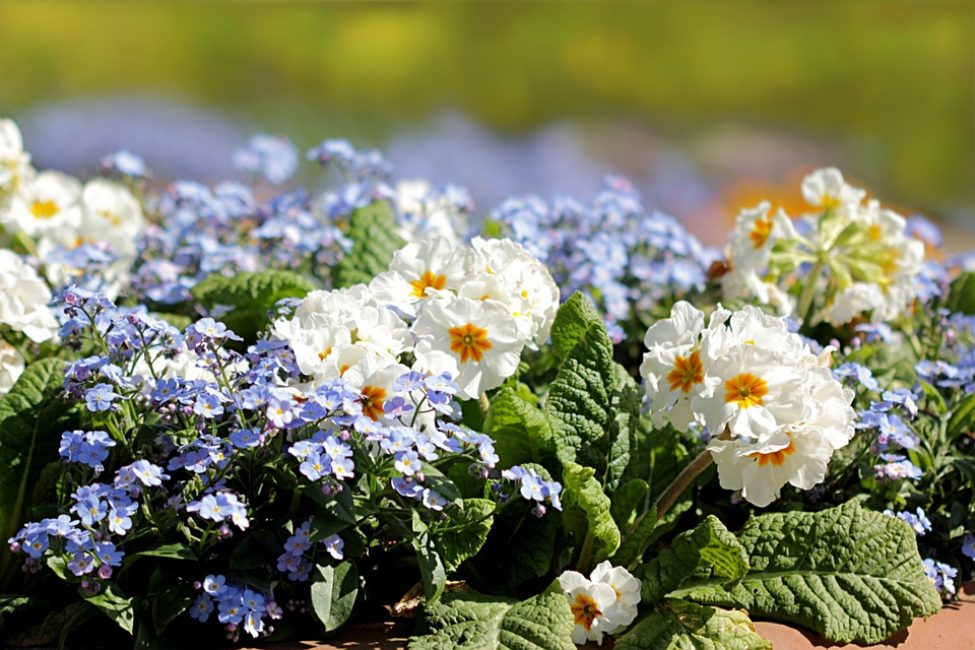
(114, 604)
(465, 531)
(849, 573)
(961, 297)
(31, 423)
(372, 230)
(679, 625)
(573, 319)
(477, 622)
(709, 551)
(250, 296)
(628, 502)
(334, 590)
(583, 490)
(520, 431)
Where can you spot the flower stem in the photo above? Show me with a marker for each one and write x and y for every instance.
(682, 482)
(485, 403)
(805, 301)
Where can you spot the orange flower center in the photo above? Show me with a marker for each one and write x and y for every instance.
(373, 398)
(469, 342)
(776, 458)
(687, 372)
(746, 389)
(585, 611)
(429, 280)
(761, 230)
(324, 353)
(43, 209)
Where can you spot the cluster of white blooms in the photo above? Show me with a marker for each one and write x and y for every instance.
(604, 603)
(425, 212)
(468, 311)
(60, 214)
(774, 410)
(844, 259)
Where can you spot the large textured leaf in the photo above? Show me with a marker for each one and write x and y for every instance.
(848, 573)
(31, 417)
(573, 319)
(465, 531)
(520, 431)
(250, 296)
(476, 622)
(374, 240)
(431, 565)
(680, 625)
(710, 551)
(583, 490)
(334, 590)
(115, 605)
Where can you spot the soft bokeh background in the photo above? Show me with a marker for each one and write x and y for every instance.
(707, 106)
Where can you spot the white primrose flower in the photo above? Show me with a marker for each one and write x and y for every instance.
(826, 188)
(756, 231)
(374, 378)
(418, 269)
(477, 342)
(533, 296)
(14, 161)
(425, 213)
(24, 299)
(46, 203)
(589, 602)
(11, 367)
(627, 590)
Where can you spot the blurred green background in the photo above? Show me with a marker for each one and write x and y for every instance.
(887, 87)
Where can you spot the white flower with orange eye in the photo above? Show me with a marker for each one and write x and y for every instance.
(793, 454)
(627, 589)
(373, 377)
(533, 296)
(673, 367)
(11, 367)
(826, 188)
(112, 214)
(420, 269)
(14, 161)
(24, 299)
(46, 203)
(318, 350)
(756, 230)
(476, 342)
(589, 602)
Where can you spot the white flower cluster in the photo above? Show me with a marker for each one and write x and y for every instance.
(466, 311)
(855, 255)
(774, 410)
(604, 603)
(59, 213)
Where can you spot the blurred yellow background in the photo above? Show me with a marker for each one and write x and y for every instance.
(752, 93)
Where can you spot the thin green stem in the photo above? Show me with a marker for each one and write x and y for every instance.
(805, 301)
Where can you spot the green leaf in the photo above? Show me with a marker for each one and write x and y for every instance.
(961, 296)
(520, 431)
(467, 530)
(849, 573)
(334, 590)
(707, 552)
(169, 604)
(962, 417)
(31, 417)
(476, 622)
(174, 551)
(432, 569)
(115, 605)
(636, 539)
(374, 240)
(250, 295)
(628, 502)
(679, 625)
(572, 321)
(583, 490)
(11, 603)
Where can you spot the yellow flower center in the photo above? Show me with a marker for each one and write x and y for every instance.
(687, 372)
(469, 342)
(324, 353)
(776, 458)
(761, 230)
(429, 280)
(585, 611)
(373, 398)
(830, 202)
(43, 209)
(746, 389)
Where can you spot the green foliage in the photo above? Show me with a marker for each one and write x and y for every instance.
(465, 532)
(961, 297)
(250, 296)
(334, 590)
(476, 622)
(680, 625)
(432, 570)
(520, 431)
(962, 417)
(114, 604)
(848, 573)
(583, 490)
(708, 552)
(374, 240)
(573, 319)
(31, 419)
